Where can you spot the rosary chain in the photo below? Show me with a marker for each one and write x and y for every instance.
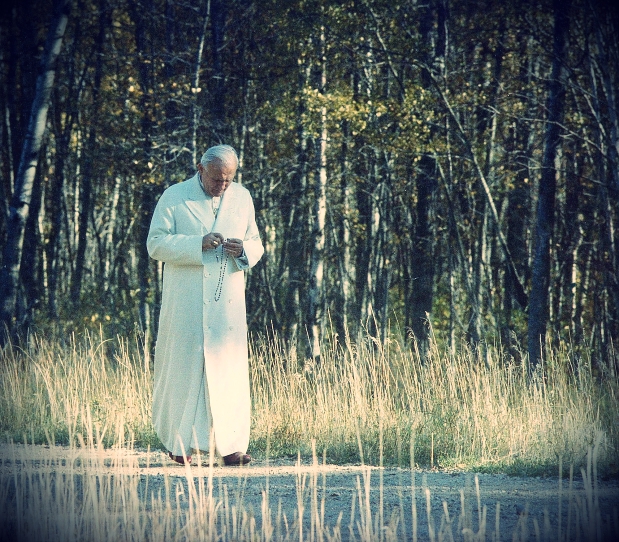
(222, 273)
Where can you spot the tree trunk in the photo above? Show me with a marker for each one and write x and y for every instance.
(143, 35)
(84, 202)
(608, 48)
(342, 242)
(364, 241)
(382, 266)
(195, 109)
(539, 297)
(476, 297)
(20, 202)
(422, 261)
(33, 263)
(519, 151)
(294, 246)
(53, 245)
(219, 10)
(316, 277)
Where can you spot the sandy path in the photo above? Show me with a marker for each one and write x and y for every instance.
(338, 487)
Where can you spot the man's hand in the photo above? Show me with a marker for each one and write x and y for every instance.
(233, 247)
(212, 240)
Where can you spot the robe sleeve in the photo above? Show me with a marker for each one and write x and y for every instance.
(165, 244)
(242, 262)
(252, 245)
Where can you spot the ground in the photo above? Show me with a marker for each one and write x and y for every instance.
(503, 504)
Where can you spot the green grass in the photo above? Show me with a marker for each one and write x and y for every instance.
(456, 410)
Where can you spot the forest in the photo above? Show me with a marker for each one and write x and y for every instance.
(425, 168)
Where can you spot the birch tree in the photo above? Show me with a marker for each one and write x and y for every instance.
(20, 202)
(315, 313)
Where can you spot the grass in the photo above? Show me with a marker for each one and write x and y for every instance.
(461, 409)
(366, 402)
(57, 389)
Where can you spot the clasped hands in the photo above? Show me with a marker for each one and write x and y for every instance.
(232, 247)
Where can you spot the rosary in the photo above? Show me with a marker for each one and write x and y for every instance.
(222, 272)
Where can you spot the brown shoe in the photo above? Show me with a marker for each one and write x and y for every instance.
(179, 459)
(237, 458)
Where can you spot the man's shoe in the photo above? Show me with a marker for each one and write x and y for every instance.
(179, 459)
(237, 458)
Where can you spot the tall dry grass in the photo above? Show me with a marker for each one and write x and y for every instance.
(460, 409)
(54, 389)
(365, 401)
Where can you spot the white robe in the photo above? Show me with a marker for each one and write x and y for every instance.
(201, 366)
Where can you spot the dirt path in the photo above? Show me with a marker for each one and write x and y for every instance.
(342, 489)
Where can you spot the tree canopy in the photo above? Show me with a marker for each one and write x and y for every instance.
(443, 167)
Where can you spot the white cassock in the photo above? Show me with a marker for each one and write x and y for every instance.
(201, 366)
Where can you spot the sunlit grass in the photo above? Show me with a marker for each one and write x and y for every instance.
(59, 388)
(461, 409)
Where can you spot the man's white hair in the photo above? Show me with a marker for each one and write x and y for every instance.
(225, 153)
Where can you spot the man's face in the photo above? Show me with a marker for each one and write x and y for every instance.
(216, 177)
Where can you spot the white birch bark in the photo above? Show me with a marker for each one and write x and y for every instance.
(320, 211)
(20, 203)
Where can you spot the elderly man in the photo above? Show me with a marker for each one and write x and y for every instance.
(204, 230)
